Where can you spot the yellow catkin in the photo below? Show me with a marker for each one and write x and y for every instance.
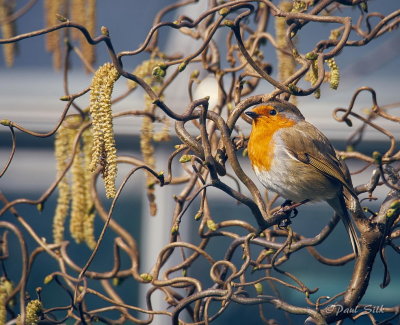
(312, 77)
(8, 30)
(164, 133)
(83, 12)
(147, 148)
(145, 71)
(6, 287)
(3, 310)
(88, 222)
(75, 192)
(90, 50)
(62, 150)
(77, 13)
(104, 153)
(53, 39)
(286, 62)
(78, 202)
(334, 76)
(33, 310)
(147, 131)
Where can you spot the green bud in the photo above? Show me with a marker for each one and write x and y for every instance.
(350, 148)
(185, 159)
(182, 66)
(174, 229)
(5, 122)
(269, 252)
(146, 277)
(195, 74)
(228, 23)
(293, 88)
(198, 215)
(48, 279)
(377, 156)
(259, 288)
(224, 11)
(104, 31)
(159, 72)
(116, 281)
(364, 6)
(211, 225)
(40, 207)
(390, 213)
(61, 18)
(311, 56)
(65, 98)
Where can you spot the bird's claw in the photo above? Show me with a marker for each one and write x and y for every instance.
(285, 223)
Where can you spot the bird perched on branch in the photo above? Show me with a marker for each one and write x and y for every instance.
(293, 158)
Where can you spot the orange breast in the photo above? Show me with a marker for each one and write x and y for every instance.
(261, 144)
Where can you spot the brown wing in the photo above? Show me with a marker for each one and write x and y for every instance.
(308, 145)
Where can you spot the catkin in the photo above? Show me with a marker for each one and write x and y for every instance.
(62, 150)
(90, 50)
(88, 222)
(78, 204)
(53, 39)
(77, 12)
(8, 30)
(334, 76)
(83, 12)
(104, 152)
(286, 62)
(3, 310)
(312, 76)
(164, 133)
(147, 135)
(147, 148)
(74, 192)
(6, 287)
(33, 310)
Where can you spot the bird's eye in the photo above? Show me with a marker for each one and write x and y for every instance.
(272, 112)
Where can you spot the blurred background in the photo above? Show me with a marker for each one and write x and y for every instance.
(29, 95)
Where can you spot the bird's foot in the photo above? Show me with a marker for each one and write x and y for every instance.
(284, 223)
(288, 206)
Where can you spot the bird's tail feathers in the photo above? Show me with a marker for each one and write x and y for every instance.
(340, 208)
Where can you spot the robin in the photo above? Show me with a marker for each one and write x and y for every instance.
(293, 158)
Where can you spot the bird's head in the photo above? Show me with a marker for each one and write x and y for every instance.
(275, 113)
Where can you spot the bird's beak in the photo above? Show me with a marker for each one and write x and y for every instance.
(252, 114)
